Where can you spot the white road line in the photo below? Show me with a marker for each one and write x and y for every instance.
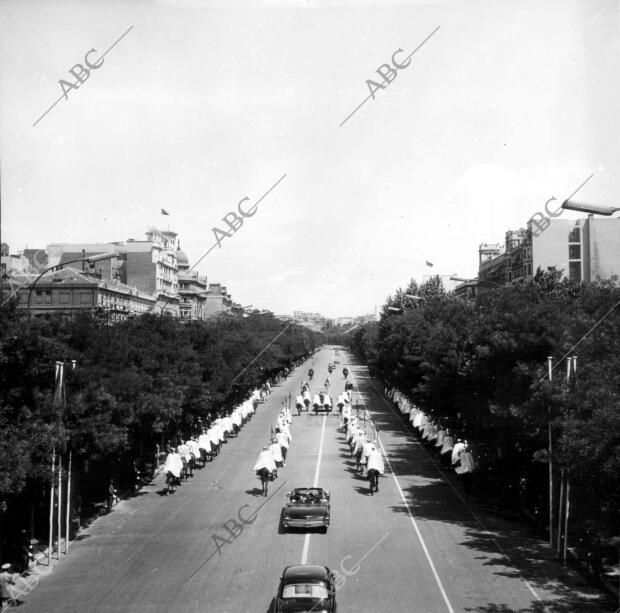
(304, 553)
(458, 495)
(413, 521)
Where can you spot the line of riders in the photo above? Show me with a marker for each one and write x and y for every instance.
(321, 401)
(196, 451)
(365, 453)
(273, 455)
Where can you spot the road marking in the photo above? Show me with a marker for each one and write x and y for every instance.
(456, 492)
(304, 553)
(402, 497)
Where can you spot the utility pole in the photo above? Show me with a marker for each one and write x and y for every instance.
(60, 404)
(51, 526)
(550, 451)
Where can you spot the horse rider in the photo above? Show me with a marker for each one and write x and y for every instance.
(194, 451)
(299, 403)
(265, 460)
(284, 440)
(183, 451)
(374, 461)
(276, 452)
(173, 465)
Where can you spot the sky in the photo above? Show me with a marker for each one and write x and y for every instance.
(201, 104)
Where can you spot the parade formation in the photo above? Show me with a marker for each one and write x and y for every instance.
(325, 502)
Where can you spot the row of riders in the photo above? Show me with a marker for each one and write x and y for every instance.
(365, 453)
(196, 451)
(273, 455)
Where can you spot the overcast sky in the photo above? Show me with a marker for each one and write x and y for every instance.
(201, 104)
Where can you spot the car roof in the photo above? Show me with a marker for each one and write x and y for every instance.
(305, 572)
(296, 490)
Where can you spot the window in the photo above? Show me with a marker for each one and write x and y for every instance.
(64, 297)
(305, 590)
(574, 252)
(575, 235)
(84, 298)
(574, 271)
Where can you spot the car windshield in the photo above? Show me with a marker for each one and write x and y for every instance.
(305, 590)
(307, 496)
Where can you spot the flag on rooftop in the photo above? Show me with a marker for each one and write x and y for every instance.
(429, 263)
(164, 212)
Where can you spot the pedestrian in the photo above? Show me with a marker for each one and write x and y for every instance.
(112, 495)
(76, 519)
(5, 581)
(26, 552)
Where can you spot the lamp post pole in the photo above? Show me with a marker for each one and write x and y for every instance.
(549, 451)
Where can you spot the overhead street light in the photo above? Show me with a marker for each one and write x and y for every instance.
(585, 207)
(91, 258)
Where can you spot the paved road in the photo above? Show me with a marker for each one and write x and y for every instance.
(419, 546)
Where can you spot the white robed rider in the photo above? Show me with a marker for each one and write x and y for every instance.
(299, 403)
(174, 464)
(375, 461)
(265, 460)
(276, 452)
(204, 442)
(193, 447)
(284, 440)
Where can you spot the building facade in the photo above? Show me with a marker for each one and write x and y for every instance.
(586, 249)
(70, 290)
(218, 300)
(154, 267)
(192, 291)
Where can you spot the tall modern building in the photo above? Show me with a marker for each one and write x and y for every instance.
(586, 249)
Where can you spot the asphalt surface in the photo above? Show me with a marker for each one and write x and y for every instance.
(418, 546)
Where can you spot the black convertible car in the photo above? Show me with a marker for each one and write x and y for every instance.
(304, 588)
(307, 507)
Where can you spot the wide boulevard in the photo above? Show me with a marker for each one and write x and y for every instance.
(419, 545)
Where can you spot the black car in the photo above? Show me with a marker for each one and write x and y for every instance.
(307, 507)
(304, 588)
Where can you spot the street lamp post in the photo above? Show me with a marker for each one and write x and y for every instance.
(92, 258)
(585, 207)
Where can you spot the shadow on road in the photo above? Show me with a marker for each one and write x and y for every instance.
(504, 542)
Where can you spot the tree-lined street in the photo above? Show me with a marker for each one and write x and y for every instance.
(418, 545)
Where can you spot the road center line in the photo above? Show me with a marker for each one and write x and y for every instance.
(304, 553)
(402, 497)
